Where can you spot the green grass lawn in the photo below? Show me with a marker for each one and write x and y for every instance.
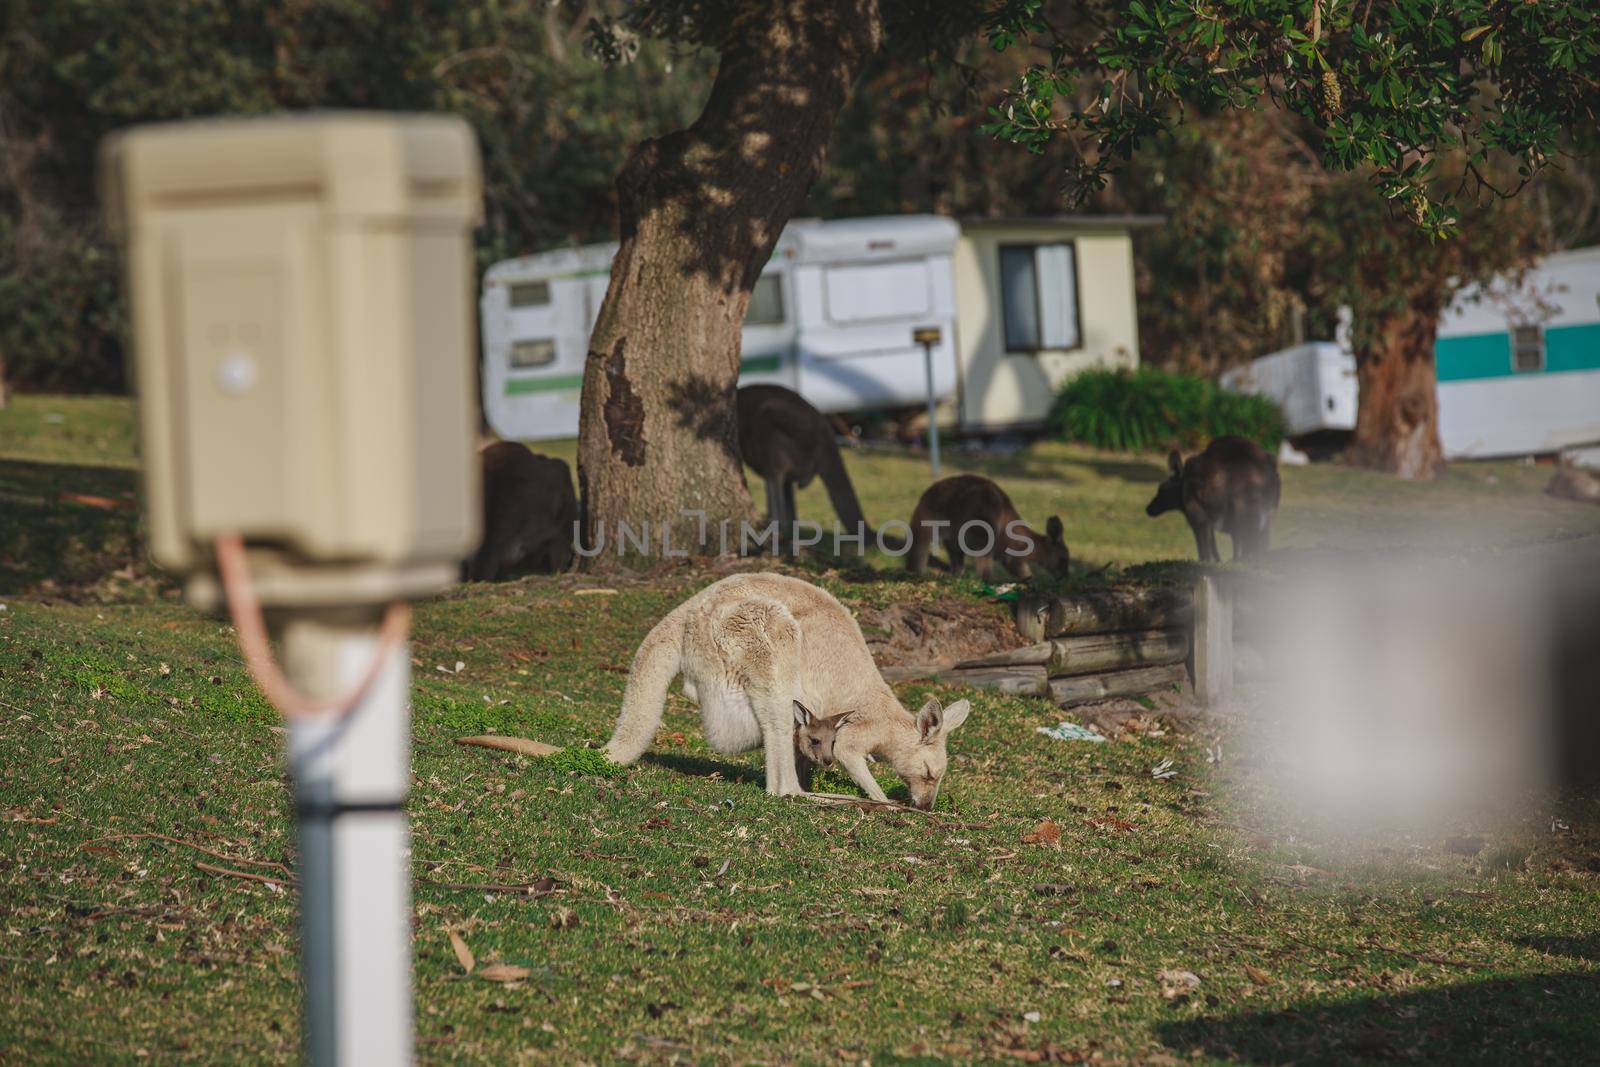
(690, 916)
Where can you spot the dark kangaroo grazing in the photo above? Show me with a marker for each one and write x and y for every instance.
(952, 504)
(813, 741)
(528, 512)
(1232, 486)
(788, 442)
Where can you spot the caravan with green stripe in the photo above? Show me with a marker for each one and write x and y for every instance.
(1518, 361)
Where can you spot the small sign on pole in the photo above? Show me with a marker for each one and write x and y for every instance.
(928, 337)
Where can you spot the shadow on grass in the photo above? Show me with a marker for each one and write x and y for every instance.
(1583, 947)
(1541, 1018)
(65, 527)
(701, 767)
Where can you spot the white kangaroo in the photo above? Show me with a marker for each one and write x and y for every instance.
(752, 645)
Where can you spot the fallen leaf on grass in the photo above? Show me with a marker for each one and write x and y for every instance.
(503, 972)
(1046, 833)
(562, 918)
(1111, 822)
(463, 953)
(1257, 975)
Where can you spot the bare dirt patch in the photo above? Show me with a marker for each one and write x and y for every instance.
(937, 634)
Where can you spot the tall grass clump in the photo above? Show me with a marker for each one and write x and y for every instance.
(1149, 409)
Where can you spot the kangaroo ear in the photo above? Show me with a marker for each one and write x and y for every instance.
(802, 714)
(955, 715)
(1053, 529)
(1175, 461)
(844, 720)
(930, 720)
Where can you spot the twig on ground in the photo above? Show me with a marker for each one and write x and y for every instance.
(189, 844)
(214, 869)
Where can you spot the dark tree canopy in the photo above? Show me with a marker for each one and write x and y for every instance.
(1432, 98)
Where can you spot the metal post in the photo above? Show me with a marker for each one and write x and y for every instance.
(350, 778)
(927, 337)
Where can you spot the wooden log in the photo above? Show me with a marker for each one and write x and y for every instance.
(1079, 690)
(1113, 610)
(1030, 612)
(1098, 653)
(1212, 665)
(1019, 681)
(1027, 656)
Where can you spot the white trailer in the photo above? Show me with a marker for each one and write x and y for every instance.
(1519, 361)
(1314, 383)
(831, 317)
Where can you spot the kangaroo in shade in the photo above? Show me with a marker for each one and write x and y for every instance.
(528, 512)
(1232, 486)
(814, 738)
(993, 530)
(788, 442)
(750, 646)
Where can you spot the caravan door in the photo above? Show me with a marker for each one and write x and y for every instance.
(855, 347)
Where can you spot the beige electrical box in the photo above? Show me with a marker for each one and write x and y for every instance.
(301, 296)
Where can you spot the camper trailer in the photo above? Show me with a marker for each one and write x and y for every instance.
(1519, 361)
(1314, 383)
(1021, 305)
(831, 317)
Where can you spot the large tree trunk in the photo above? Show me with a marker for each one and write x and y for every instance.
(701, 210)
(1397, 419)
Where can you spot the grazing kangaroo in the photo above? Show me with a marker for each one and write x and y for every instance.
(750, 646)
(814, 738)
(528, 512)
(788, 442)
(996, 532)
(1232, 486)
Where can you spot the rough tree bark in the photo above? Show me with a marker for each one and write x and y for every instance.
(1397, 417)
(701, 210)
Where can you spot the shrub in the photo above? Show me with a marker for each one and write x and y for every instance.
(1148, 409)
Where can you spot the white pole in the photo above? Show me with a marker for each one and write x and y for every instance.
(350, 777)
(933, 425)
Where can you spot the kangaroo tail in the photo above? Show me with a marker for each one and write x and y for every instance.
(654, 666)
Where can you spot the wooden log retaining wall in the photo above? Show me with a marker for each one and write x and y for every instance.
(1107, 643)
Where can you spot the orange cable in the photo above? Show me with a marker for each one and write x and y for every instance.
(244, 606)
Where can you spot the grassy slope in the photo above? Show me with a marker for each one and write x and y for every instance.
(831, 935)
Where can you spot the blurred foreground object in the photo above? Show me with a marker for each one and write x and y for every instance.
(301, 299)
(300, 291)
(1409, 693)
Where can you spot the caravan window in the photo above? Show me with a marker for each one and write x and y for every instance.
(1039, 296)
(875, 291)
(766, 302)
(528, 354)
(1527, 348)
(529, 294)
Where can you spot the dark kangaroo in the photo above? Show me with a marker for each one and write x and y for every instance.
(1232, 486)
(973, 500)
(788, 442)
(528, 511)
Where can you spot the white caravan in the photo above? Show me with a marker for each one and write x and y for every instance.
(1519, 361)
(831, 317)
(1314, 383)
